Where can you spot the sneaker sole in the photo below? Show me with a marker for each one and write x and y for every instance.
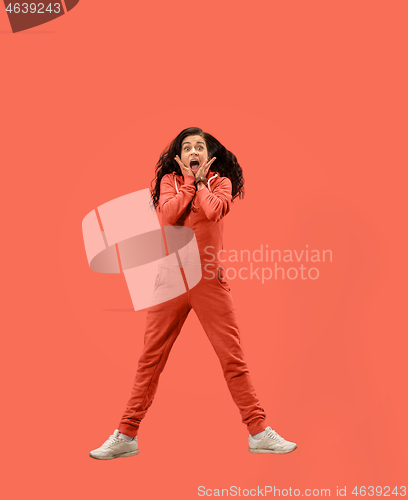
(122, 455)
(276, 452)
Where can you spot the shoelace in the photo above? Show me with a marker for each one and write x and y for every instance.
(111, 439)
(274, 435)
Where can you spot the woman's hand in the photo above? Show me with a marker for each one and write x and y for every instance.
(205, 167)
(184, 169)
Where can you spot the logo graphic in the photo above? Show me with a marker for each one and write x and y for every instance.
(126, 233)
(26, 15)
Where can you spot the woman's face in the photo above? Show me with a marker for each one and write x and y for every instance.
(193, 152)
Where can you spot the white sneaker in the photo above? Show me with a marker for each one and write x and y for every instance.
(271, 443)
(115, 447)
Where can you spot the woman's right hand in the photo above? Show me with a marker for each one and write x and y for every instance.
(184, 169)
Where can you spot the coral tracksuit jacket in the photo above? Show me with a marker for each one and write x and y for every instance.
(202, 210)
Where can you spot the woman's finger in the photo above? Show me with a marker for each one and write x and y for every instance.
(181, 164)
(184, 169)
(210, 162)
(208, 165)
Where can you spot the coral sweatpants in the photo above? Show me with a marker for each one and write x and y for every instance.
(211, 300)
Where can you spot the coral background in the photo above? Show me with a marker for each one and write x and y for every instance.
(311, 97)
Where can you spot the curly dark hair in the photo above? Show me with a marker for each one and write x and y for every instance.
(226, 163)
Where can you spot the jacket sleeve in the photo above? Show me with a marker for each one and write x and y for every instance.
(216, 204)
(171, 203)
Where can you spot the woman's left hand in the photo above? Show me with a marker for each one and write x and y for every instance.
(203, 170)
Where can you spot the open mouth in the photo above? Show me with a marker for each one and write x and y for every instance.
(194, 164)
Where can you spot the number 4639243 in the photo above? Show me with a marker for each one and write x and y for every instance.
(379, 491)
(33, 8)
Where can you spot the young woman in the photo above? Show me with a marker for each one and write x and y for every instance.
(189, 193)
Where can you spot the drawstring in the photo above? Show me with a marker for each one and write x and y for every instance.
(175, 182)
(209, 180)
